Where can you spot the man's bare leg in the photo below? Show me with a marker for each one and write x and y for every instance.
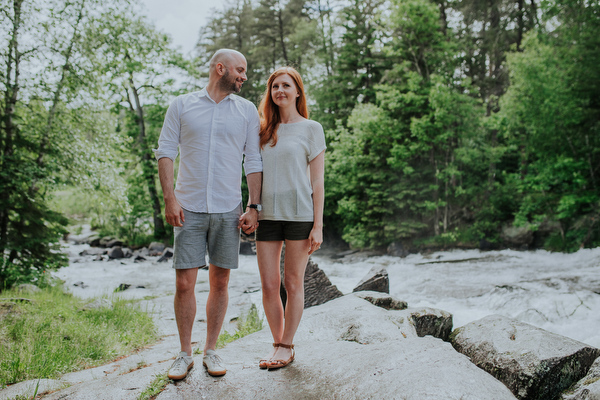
(185, 306)
(216, 305)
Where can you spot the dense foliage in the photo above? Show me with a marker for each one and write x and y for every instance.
(447, 120)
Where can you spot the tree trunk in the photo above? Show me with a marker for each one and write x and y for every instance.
(56, 98)
(520, 27)
(281, 37)
(8, 116)
(147, 164)
(436, 193)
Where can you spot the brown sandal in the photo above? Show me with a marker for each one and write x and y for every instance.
(275, 364)
(263, 364)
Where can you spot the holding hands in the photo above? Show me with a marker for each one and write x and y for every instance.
(249, 221)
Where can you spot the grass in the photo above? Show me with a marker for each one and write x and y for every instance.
(51, 335)
(155, 387)
(246, 324)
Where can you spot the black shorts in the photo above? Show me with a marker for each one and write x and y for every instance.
(282, 230)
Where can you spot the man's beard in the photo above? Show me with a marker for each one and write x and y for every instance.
(229, 85)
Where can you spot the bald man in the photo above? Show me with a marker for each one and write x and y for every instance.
(213, 131)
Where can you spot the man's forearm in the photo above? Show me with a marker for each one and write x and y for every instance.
(254, 187)
(165, 174)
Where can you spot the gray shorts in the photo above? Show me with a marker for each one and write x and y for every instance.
(202, 233)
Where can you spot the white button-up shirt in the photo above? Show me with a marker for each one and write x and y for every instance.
(212, 138)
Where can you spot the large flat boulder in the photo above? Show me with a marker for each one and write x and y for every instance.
(532, 363)
(346, 349)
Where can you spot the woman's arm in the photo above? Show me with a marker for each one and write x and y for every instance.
(317, 180)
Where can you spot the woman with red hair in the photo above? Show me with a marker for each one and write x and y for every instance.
(293, 153)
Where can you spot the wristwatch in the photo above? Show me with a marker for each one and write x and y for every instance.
(257, 207)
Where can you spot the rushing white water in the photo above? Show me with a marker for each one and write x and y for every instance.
(554, 291)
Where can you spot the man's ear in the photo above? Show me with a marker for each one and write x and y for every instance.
(220, 69)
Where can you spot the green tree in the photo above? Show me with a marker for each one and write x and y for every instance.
(41, 72)
(550, 114)
(398, 168)
(140, 70)
(358, 65)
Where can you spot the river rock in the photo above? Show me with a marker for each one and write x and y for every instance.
(382, 300)
(518, 236)
(155, 249)
(432, 322)
(376, 280)
(28, 288)
(92, 251)
(105, 240)
(396, 249)
(167, 254)
(346, 349)
(98, 304)
(588, 388)
(532, 363)
(93, 240)
(246, 249)
(114, 242)
(318, 289)
(115, 253)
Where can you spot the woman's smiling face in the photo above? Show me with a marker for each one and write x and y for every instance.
(284, 91)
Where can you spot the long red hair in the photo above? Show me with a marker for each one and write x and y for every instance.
(269, 111)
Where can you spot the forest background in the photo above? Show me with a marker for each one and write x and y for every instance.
(446, 120)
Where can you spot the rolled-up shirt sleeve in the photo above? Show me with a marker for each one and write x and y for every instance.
(168, 141)
(252, 158)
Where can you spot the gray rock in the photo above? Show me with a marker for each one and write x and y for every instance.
(317, 286)
(156, 248)
(92, 251)
(114, 242)
(318, 289)
(588, 388)
(143, 252)
(531, 362)
(166, 255)
(246, 249)
(105, 240)
(518, 236)
(376, 280)
(116, 253)
(28, 288)
(98, 304)
(432, 322)
(122, 287)
(93, 240)
(127, 253)
(382, 300)
(396, 249)
(346, 349)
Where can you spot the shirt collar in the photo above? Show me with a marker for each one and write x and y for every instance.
(204, 93)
